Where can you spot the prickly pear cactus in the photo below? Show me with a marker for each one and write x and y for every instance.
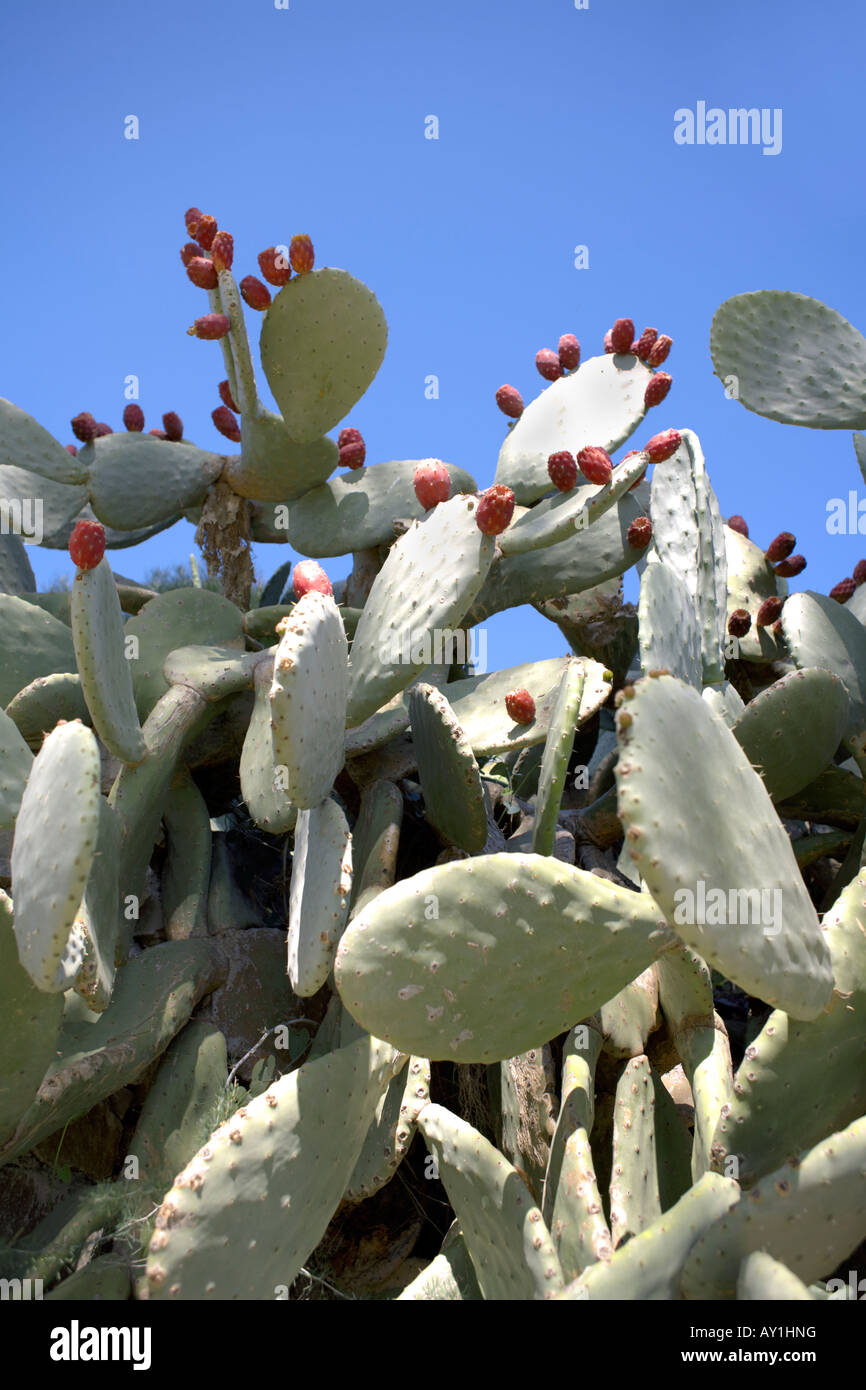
(292, 899)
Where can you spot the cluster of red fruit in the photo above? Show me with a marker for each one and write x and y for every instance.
(783, 563)
(85, 428)
(651, 348)
(213, 251)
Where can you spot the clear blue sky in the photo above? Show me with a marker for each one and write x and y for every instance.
(555, 129)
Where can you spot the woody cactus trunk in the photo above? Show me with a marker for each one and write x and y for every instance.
(293, 897)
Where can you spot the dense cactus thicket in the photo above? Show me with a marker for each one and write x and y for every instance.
(334, 966)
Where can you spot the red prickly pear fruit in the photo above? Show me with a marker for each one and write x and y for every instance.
(157, 434)
(309, 577)
(622, 335)
(520, 706)
(563, 470)
(349, 436)
(780, 548)
(83, 426)
(859, 575)
(657, 389)
(133, 418)
(173, 426)
(794, 565)
(71, 449)
(510, 402)
(226, 397)
(842, 591)
(768, 612)
(739, 622)
(663, 446)
(659, 350)
(569, 352)
(301, 254)
(87, 544)
(640, 533)
(222, 250)
(257, 295)
(191, 219)
(226, 423)
(595, 465)
(738, 523)
(101, 430)
(274, 266)
(210, 326)
(353, 454)
(432, 484)
(202, 272)
(644, 343)
(495, 510)
(548, 364)
(608, 341)
(190, 252)
(205, 231)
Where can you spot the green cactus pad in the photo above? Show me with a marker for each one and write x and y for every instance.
(106, 675)
(48, 509)
(16, 760)
(649, 1267)
(308, 699)
(32, 644)
(24, 443)
(505, 1234)
(16, 572)
(763, 1279)
(319, 901)
(689, 537)
(580, 1054)
(454, 797)
(271, 466)
(186, 873)
(565, 718)
(215, 672)
(700, 1038)
(725, 701)
(791, 730)
(356, 510)
(173, 1123)
(103, 1280)
(262, 786)
(634, 1181)
(136, 480)
(800, 1081)
(479, 702)
(631, 1015)
(177, 618)
(322, 342)
(668, 631)
(140, 791)
(272, 592)
(429, 580)
(455, 963)
(55, 839)
(601, 403)
(392, 1130)
(792, 359)
(837, 797)
(450, 1278)
(602, 552)
(375, 842)
(29, 1023)
(809, 1214)
(558, 518)
(693, 848)
(820, 632)
(37, 708)
(154, 995)
(100, 918)
(750, 581)
(578, 1226)
(249, 1208)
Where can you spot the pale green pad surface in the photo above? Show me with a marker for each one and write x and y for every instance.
(106, 674)
(319, 898)
(450, 780)
(308, 698)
